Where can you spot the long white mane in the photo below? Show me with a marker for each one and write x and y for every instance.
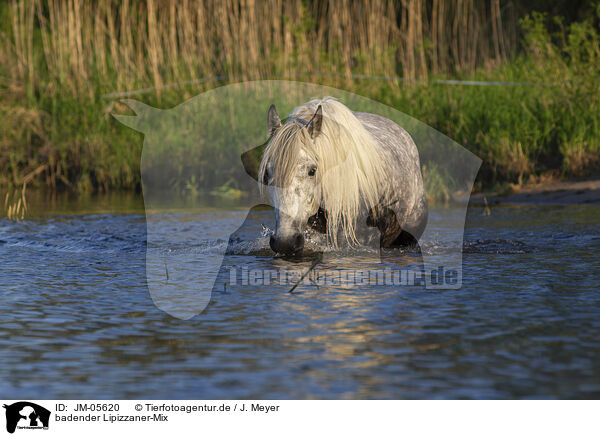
(351, 169)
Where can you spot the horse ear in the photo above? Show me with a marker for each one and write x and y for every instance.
(314, 125)
(273, 121)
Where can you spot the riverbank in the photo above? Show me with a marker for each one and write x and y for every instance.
(536, 113)
(552, 193)
(41, 202)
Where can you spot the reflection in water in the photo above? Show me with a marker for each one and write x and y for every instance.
(78, 320)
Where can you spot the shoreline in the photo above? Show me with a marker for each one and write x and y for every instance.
(552, 193)
(557, 193)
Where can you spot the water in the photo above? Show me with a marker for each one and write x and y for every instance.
(78, 320)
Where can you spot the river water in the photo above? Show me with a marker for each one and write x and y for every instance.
(78, 320)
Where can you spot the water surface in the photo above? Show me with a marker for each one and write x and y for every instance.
(78, 320)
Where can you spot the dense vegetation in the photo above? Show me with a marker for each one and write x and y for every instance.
(59, 58)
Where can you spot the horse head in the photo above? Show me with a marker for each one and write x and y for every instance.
(292, 178)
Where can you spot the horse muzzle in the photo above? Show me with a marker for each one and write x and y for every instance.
(291, 245)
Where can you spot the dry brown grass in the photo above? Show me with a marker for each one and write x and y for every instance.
(579, 161)
(15, 201)
(15, 204)
(153, 42)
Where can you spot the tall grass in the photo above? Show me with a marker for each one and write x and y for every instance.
(128, 44)
(58, 57)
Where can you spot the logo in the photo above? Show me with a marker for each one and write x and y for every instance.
(190, 260)
(26, 415)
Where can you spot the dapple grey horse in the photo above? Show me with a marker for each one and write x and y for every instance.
(329, 170)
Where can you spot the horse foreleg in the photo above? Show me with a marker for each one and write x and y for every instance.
(391, 233)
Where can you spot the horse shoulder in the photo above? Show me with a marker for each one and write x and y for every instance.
(407, 195)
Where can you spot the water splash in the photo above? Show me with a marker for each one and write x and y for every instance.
(266, 231)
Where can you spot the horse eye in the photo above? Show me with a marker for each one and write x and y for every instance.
(312, 171)
(266, 178)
